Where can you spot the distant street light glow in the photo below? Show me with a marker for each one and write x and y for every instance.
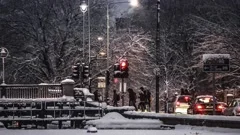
(134, 3)
(100, 38)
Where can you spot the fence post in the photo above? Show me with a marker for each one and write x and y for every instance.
(67, 86)
(3, 92)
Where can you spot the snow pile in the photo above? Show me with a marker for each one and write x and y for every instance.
(117, 121)
(128, 108)
(68, 81)
(92, 129)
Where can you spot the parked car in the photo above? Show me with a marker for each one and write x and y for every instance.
(203, 104)
(233, 109)
(180, 104)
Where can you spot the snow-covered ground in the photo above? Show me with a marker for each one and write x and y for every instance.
(180, 130)
(137, 127)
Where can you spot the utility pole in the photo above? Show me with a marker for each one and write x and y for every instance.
(157, 75)
(108, 42)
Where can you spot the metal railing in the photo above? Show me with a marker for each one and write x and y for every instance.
(50, 110)
(31, 91)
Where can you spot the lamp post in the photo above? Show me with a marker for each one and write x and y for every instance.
(4, 53)
(132, 3)
(102, 51)
(157, 76)
(83, 8)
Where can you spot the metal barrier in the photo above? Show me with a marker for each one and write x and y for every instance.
(39, 112)
(31, 91)
(42, 104)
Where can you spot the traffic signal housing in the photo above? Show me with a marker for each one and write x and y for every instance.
(85, 71)
(75, 71)
(121, 69)
(116, 72)
(124, 68)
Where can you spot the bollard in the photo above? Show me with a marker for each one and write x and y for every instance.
(67, 86)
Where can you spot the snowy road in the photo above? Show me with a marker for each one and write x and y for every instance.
(180, 130)
(116, 121)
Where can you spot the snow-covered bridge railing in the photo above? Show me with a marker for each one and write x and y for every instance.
(44, 111)
(184, 119)
(31, 91)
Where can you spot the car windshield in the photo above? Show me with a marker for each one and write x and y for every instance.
(184, 99)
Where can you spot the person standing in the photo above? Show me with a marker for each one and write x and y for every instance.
(142, 97)
(132, 98)
(148, 100)
(96, 95)
(116, 98)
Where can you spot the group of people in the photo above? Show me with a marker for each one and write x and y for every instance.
(143, 95)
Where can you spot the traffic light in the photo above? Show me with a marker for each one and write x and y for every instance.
(85, 71)
(124, 68)
(117, 72)
(75, 71)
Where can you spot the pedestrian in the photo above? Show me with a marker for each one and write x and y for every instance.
(116, 98)
(96, 95)
(132, 98)
(141, 105)
(148, 100)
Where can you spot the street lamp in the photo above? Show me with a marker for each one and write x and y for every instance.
(102, 51)
(132, 3)
(83, 8)
(157, 76)
(4, 53)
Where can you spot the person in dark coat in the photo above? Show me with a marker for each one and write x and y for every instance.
(142, 97)
(116, 98)
(148, 100)
(132, 98)
(96, 95)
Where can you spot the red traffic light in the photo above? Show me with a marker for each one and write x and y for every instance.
(123, 64)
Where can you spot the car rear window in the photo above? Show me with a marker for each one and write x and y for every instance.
(204, 100)
(184, 99)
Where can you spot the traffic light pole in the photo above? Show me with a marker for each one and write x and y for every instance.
(122, 91)
(157, 55)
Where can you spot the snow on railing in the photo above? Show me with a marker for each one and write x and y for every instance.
(31, 91)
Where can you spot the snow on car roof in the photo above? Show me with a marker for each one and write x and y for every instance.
(204, 96)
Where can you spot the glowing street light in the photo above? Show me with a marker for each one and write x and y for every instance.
(83, 7)
(134, 3)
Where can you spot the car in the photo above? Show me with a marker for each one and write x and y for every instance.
(179, 104)
(233, 109)
(203, 104)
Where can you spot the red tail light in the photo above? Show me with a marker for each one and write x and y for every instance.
(199, 106)
(220, 107)
(186, 98)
